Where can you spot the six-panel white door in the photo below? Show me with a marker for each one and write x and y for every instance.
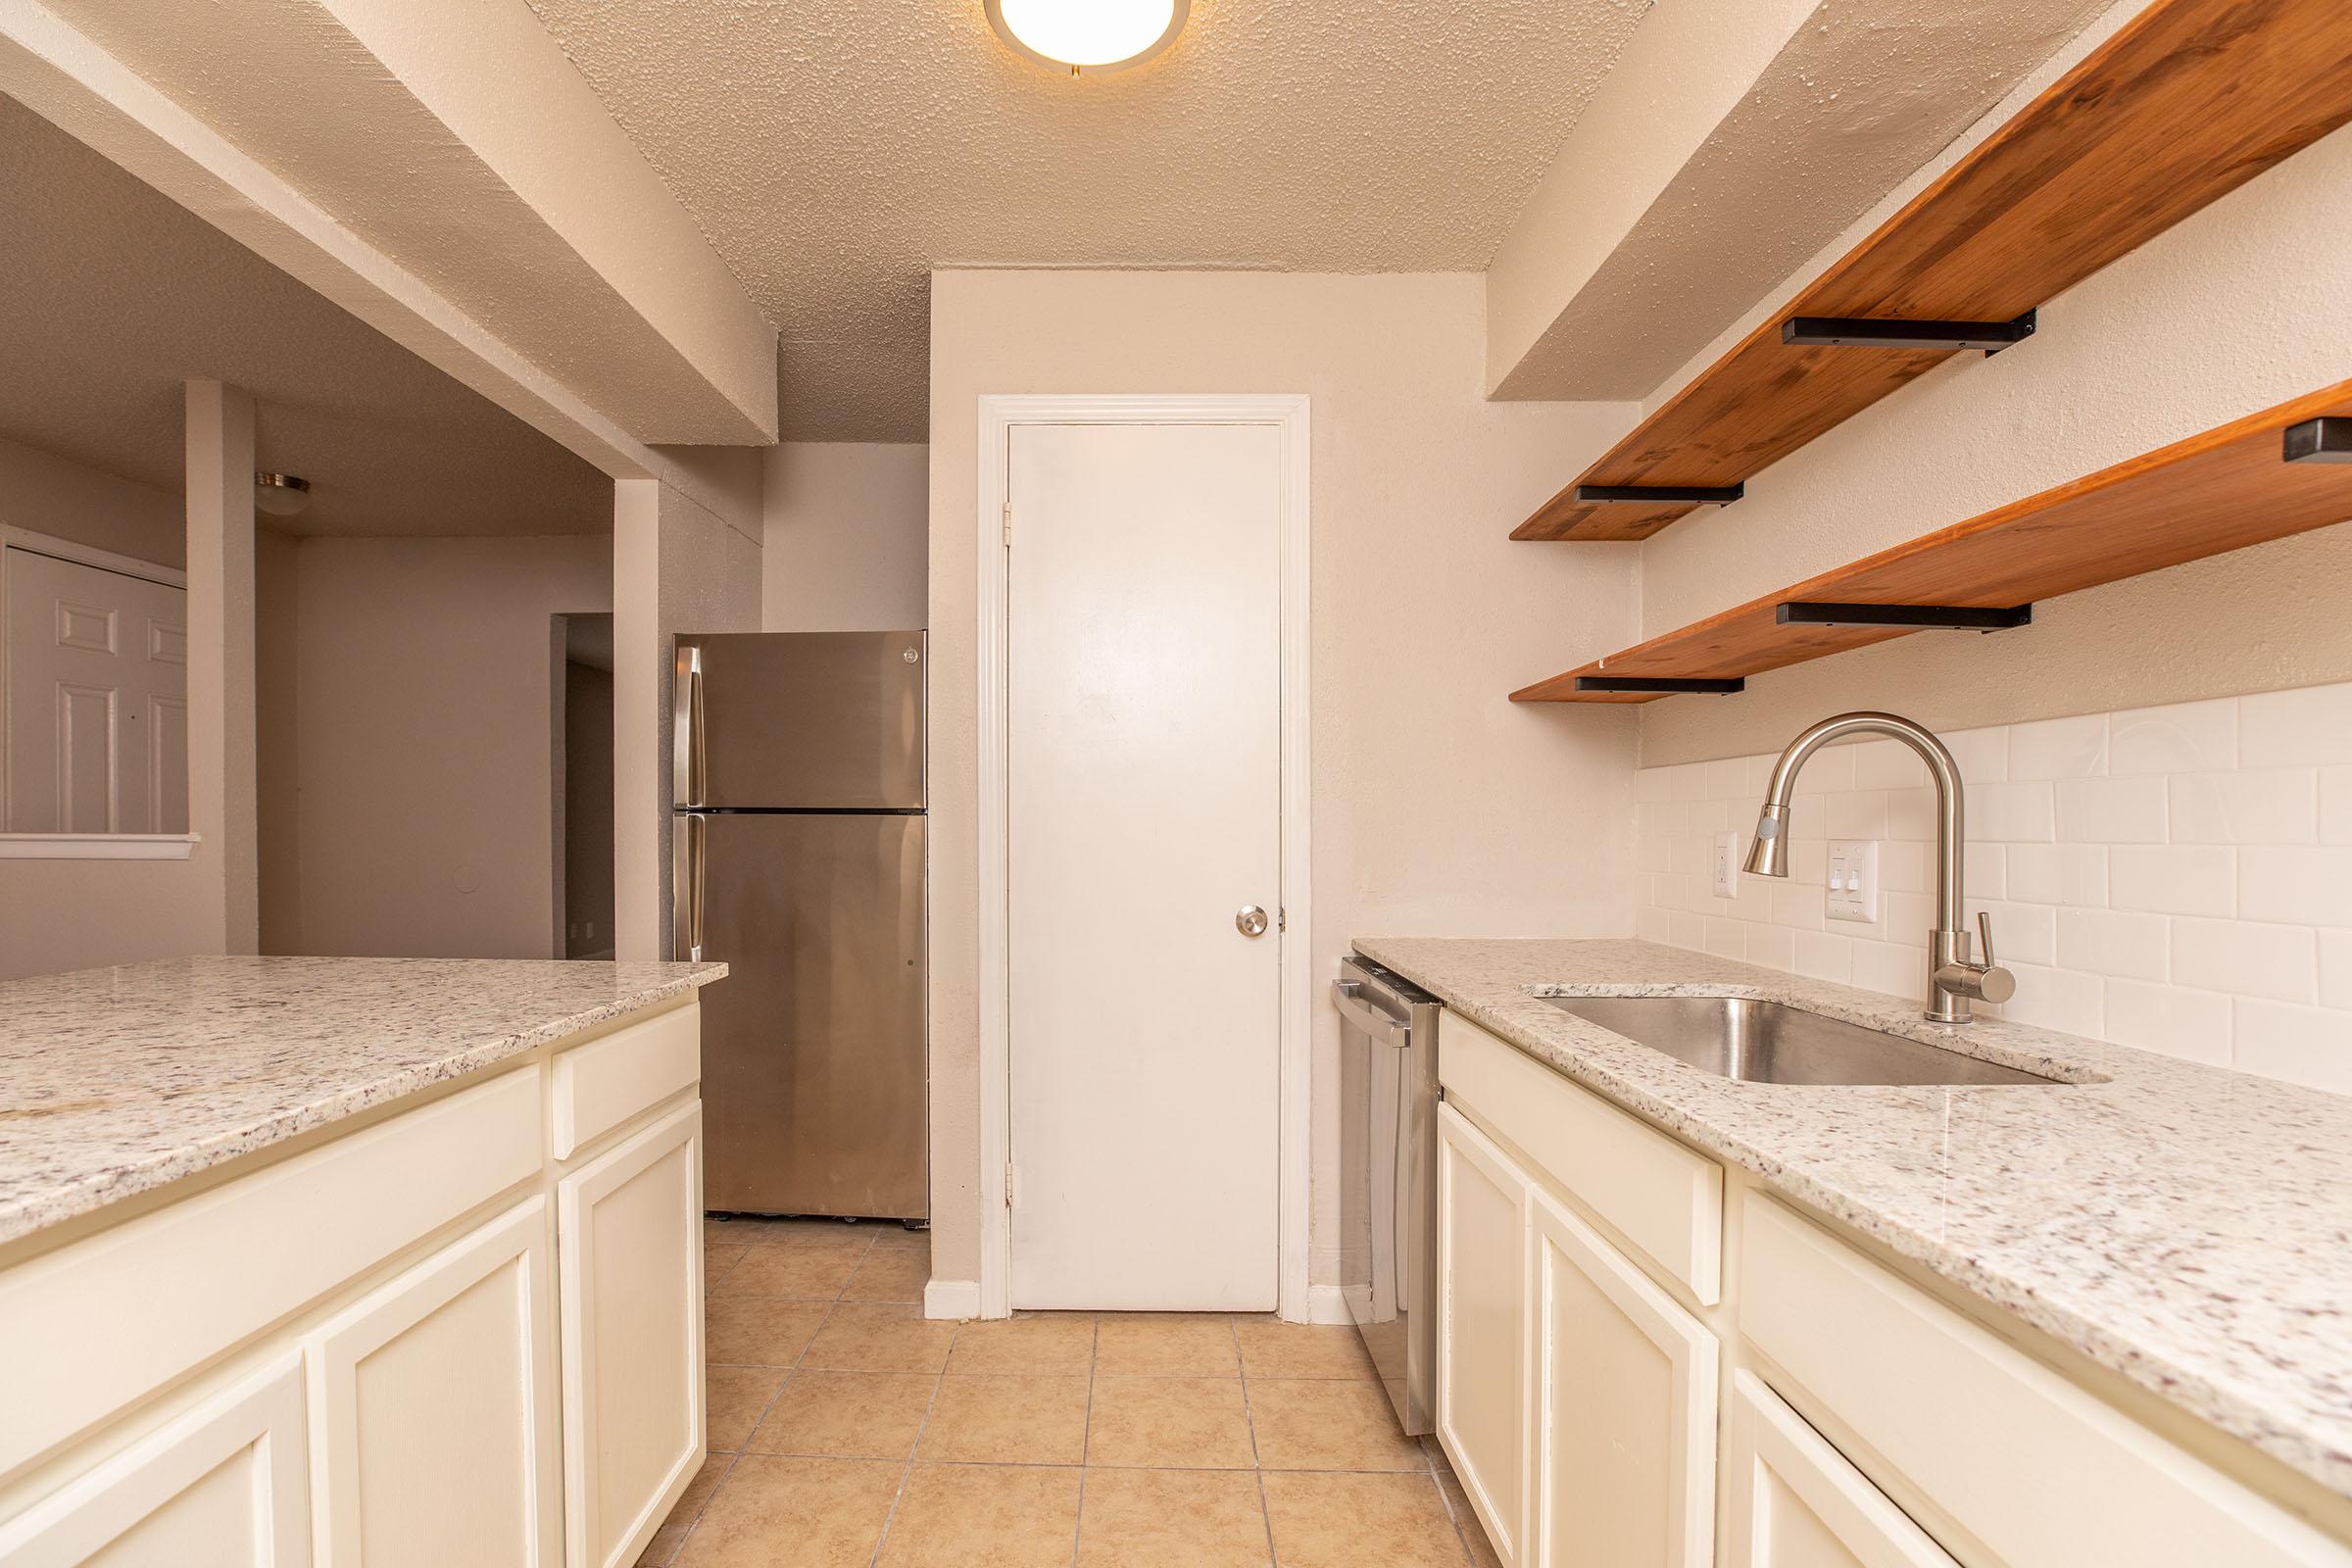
(630, 1223)
(1796, 1503)
(1625, 1409)
(434, 1418)
(1483, 1327)
(97, 669)
(221, 1486)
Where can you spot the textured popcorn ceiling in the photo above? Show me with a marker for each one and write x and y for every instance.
(115, 294)
(835, 151)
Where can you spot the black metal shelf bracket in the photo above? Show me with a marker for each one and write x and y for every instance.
(1696, 494)
(1665, 684)
(1875, 332)
(1918, 617)
(2322, 440)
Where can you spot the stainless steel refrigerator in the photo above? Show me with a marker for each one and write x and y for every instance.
(799, 863)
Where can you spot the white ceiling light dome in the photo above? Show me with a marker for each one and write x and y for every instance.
(281, 495)
(1088, 36)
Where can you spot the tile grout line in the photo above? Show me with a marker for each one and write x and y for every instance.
(1086, 1436)
(906, 1466)
(1241, 1370)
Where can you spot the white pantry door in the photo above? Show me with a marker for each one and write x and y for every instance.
(1144, 769)
(97, 667)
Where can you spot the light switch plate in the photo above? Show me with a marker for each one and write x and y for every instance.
(1855, 880)
(1727, 865)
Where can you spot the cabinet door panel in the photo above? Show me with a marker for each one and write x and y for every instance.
(1796, 1503)
(433, 1410)
(1625, 1392)
(220, 1487)
(630, 1238)
(1482, 1328)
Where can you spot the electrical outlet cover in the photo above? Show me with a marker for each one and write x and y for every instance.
(1727, 865)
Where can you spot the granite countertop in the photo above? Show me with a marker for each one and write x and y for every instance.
(117, 1081)
(2189, 1226)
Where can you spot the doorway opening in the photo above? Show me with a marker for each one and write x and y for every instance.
(582, 799)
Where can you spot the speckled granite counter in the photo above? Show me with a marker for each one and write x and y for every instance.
(116, 1081)
(2187, 1226)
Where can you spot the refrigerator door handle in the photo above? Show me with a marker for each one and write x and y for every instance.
(689, 895)
(688, 743)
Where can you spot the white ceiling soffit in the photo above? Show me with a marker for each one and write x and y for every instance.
(1731, 144)
(116, 296)
(455, 138)
(835, 154)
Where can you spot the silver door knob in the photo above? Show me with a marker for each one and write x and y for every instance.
(1251, 921)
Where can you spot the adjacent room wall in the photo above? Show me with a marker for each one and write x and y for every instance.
(423, 715)
(1439, 806)
(587, 812)
(48, 494)
(846, 526)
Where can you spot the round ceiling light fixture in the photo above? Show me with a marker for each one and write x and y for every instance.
(281, 495)
(1088, 36)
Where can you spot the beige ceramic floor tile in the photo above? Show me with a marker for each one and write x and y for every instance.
(1351, 1521)
(1172, 1519)
(797, 1273)
(846, 1415)
(689, 1508)
(808, 1513)
(1465, 1520)
(869, 1337)
(754, 1331)
(833, 1233)
(1005, 1420)
(1328, 1424)
(1169, 1424)
(1153, 1345)
(891, 1273)
(737, 1396)
(1061, 1344)
(1273, 1349)
(983, 1516)
(719, 1259)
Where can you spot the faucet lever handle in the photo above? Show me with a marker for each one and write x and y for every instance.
(1984, 930)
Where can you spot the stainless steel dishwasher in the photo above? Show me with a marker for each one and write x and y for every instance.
(1387, 1179)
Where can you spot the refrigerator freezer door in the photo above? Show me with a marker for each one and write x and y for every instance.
(812, 1050)
(808, 720)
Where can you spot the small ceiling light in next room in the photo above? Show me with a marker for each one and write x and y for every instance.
(281, 495)
(1083, 36)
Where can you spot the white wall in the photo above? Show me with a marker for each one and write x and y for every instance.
(422, 743)
(48, 494)
(846, 524)
(1439, 806)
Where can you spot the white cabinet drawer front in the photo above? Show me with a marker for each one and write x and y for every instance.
(1625, 1409)
(434, 1421)
(221, 1486)
(629, 1230)
(1663, 1197)
(1482, 1328)
(1796, 1503)
(604, 1083)
(2045, 1475)
(102, 1322)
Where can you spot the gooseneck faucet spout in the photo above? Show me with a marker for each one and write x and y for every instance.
(1954, 978)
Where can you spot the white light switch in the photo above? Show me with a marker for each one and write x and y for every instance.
(1727, 865)
(1855, 880)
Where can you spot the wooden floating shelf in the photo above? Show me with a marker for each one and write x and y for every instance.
(2219, 491)
(2188, 101)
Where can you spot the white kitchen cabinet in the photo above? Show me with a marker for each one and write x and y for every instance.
(1795, 1502)
(630, 1240)
(433, 1408)
(220, 1486)
(1483, 1280)
(1625, 1391)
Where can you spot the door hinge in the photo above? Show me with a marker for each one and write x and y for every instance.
(1009, 525)
(1012, 1182)
(1282, 920)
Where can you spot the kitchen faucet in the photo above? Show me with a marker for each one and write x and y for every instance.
(1954, 978)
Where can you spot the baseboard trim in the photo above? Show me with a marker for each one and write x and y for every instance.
(951, 1298)
(1327, 1303)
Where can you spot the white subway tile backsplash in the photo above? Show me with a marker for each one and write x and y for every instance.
(2178, 878)
(2260, 806)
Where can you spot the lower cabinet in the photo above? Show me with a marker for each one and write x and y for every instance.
(1625, 1384)
(630, 1238)
(220, 1486)
(433, 1410)
(1796, 1503)
(1482, 1328)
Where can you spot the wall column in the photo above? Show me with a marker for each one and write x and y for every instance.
(222, 807)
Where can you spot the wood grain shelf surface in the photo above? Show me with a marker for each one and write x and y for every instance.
(2217, 491)
(2190, 100)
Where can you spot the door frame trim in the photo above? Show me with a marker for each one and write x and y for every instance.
(1287, 413)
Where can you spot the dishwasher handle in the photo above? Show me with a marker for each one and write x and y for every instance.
(1348, 997)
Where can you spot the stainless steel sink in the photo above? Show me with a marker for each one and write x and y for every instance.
(1765, 1043)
